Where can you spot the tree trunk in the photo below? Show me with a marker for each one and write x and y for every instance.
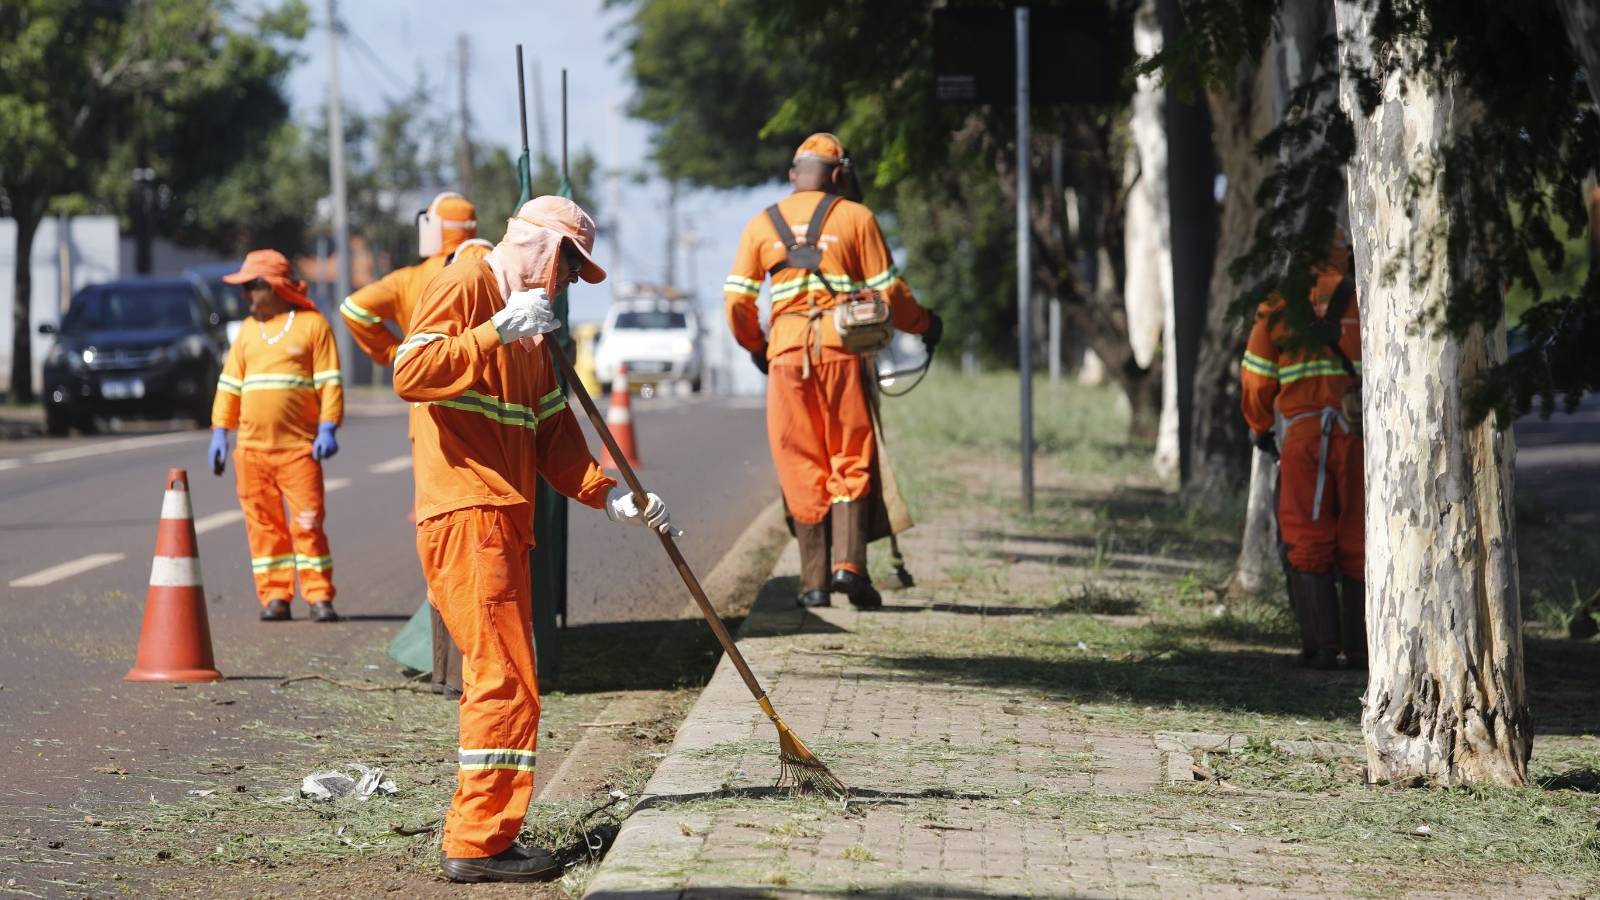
(1583, 29)
(1191, 176)
(27, 215)
(1445, 698)
(1258, 568)
(1148, 240)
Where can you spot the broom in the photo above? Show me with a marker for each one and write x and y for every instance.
(798, 768)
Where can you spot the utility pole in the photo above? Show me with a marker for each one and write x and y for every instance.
(614, 202)
(464, 167)
(1058, 195)
(671, 270)
(341, 208)
(1024, 259)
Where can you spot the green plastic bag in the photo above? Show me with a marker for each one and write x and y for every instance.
(413, 646)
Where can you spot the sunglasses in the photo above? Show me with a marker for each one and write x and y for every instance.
(573, 256)
(249, 286)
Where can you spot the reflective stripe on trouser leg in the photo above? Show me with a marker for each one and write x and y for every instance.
(300, 478)
(476, 564)
(261, 501)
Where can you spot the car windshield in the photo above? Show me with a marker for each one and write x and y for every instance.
(130, 308)
(655, 319)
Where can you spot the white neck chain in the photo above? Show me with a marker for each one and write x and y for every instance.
(273, 340)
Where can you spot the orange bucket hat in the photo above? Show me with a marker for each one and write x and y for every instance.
(567, 219)
(273, 268)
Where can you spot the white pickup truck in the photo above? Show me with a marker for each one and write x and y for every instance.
(658, 339)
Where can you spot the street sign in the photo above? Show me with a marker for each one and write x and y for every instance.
(1076, 51)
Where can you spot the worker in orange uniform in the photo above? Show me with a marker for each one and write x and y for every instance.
(280, 388)
(1306, 382)
(447, 230)
(819, 422)
(486, 421)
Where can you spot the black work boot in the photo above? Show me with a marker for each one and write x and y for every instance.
(275, 611)
(1353, 622)
(515, 863)
(814, 551)
(850, 542)
(446, 658)
(1316, 605)
(322, 611)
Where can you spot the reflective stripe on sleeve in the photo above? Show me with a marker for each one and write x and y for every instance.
(883, 279)
(330, 376)
(516, 760)
(415, 341)
(352, 310)
(551, 403)
(737, 284)
(230, 385)
(1258, 365)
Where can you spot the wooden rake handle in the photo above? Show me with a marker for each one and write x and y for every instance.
(640, 498)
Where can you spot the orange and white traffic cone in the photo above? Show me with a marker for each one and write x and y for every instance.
(175, 643)
(620, 420)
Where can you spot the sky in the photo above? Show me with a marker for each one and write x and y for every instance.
(405, 40)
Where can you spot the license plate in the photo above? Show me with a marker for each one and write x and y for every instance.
(647, 367)
(122, 389)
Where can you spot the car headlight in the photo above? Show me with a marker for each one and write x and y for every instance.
(159, 355)
(192, 347)
(61, 356)
(683, 346)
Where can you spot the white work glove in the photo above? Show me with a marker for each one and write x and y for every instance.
(526, 315)
(621, 508)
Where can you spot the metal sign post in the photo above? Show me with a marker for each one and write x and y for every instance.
(1024, 260)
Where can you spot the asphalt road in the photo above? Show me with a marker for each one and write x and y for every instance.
(78, 526)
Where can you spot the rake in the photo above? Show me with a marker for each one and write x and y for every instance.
(798, 768)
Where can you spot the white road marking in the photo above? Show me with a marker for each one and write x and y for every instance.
(9, 464)
(217, 520)
(390, 466)
(105, 447)
(335, 484)
(67, 569)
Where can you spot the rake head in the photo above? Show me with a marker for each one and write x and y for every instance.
(798, 768)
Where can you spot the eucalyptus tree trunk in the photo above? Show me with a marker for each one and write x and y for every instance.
(1445, 698)
(1583, 29)
(1147, 240)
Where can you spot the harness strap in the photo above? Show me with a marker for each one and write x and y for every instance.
(1330, 417)
(813, 244)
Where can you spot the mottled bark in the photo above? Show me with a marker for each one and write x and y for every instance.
(1257, 568)
(1445, 699)
(1148, 240)
(1583, 29)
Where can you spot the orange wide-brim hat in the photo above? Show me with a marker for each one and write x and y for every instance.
(273, 268)
(569, 220)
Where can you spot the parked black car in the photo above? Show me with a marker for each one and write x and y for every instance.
(137, 348)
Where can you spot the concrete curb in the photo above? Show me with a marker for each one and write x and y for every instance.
(652, 848)
(739, 574)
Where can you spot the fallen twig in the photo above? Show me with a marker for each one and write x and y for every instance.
(605, 724)
(406, 686)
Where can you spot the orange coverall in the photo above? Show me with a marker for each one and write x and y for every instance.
(819, 427)
(1306, 386)
(393, 297)
(486, 421)
(276, 394)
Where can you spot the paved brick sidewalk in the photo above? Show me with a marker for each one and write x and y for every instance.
(959, 791)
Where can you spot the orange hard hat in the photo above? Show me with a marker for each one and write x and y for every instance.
(273, 268)
(821, 147)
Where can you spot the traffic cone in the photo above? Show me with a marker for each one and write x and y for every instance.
(619, 418)
(175, 644)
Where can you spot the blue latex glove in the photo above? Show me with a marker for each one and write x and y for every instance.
(218, 451)
(325, 445)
